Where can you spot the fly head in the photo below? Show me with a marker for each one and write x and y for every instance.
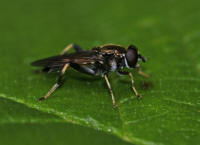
(132, 56)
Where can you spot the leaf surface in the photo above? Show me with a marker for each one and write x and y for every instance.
(166, 32)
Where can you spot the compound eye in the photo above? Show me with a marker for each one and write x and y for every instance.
(132, 56)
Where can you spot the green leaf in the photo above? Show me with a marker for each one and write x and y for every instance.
(166, 32)
(23, 125)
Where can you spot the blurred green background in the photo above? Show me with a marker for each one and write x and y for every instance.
(166, 32)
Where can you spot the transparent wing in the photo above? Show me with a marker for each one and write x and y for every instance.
(82, 58)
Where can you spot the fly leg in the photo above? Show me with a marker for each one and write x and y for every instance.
(87, 70)
(132, 83)
(140, 72)
(111, 92)
(133, 86)
(72, 45)
(59, 83)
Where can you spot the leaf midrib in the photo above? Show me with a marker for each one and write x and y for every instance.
(123, 135)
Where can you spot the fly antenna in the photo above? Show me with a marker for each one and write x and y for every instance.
(142, 57)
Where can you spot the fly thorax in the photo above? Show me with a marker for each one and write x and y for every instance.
(121, 62)
(113, 65)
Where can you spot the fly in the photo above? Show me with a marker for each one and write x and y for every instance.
(100, 61)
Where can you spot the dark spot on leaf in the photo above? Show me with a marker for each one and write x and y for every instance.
(37, 71)
(146, 85)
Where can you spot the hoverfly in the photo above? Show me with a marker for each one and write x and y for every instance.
(100, 60)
